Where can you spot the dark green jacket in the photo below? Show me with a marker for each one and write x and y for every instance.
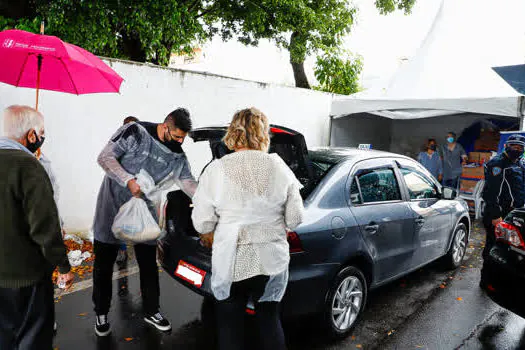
(31, 244)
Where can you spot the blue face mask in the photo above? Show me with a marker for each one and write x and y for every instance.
(450, 139)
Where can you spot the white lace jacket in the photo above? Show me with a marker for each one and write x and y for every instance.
(249, 199)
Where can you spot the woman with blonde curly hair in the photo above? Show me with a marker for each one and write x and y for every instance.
(244, 203)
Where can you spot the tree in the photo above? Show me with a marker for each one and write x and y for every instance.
(338, 73)
(149, 31)
(304, 27)
(144, 31)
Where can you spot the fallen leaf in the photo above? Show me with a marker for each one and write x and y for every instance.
(128, 339)
(419, 346)
(359, 346)
(353, 337)
(82, 314)
(459, 298)
(442, 286)
(391, 332)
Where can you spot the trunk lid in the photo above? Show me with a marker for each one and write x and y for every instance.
(289, 144)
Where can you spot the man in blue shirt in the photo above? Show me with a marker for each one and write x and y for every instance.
(431, 160)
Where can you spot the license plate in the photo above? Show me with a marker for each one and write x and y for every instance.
(190, 273)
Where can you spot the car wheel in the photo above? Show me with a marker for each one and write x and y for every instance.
(345, 302)
(458, 248)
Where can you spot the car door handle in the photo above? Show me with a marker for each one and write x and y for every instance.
(420, 221)
(371, 228)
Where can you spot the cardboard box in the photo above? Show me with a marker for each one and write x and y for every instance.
(479, 157)
(477, 173)
(473, 157)
(467, 186)
(486, 145)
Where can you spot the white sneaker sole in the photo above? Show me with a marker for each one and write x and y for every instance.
(102, 334)
(160, 328)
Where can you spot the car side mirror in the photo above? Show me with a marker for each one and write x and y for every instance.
(449, 193)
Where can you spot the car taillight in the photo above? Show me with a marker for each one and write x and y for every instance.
(295, 242)
(509, 234)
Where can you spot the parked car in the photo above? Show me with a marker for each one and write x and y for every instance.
(370, 218)
(503, 272)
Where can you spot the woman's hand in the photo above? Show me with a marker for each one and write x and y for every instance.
(207, 239)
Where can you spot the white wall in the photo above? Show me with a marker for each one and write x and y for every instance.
(78, 127)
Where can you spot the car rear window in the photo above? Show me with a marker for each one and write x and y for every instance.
(319, 171)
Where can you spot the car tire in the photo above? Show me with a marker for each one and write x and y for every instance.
(345, 302)
(458, 248)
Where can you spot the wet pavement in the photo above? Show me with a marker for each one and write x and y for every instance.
(429, 309)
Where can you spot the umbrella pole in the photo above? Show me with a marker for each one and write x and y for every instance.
(39, 57)
(39, 69)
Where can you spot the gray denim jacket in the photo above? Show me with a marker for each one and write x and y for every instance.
(131, 149)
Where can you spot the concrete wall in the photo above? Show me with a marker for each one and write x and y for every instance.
(78, 127)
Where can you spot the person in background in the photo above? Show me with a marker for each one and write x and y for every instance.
(454, 157)
(31, 236)
(504, 187)
(122, 256)
(157, 149)
(431, 160)
(248, 199)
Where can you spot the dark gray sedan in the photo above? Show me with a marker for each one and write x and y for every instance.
(370, 218)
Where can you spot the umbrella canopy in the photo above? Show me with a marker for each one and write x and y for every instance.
(46, 62)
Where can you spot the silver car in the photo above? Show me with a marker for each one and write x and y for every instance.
(370, 218)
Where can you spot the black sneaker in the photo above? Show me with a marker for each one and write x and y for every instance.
(102, 327)
(159, 322)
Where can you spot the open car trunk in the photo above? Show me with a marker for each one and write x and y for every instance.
(288, 144)
(182, 248)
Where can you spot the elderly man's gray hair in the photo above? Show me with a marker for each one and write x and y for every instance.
(18, 120)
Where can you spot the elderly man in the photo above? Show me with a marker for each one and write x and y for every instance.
(31, 237)
(157, 149)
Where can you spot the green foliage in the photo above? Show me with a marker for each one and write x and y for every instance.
(388, 6)
(314, 24)
(129, 29)
(149, 31)
(27, 24)
(338, 73)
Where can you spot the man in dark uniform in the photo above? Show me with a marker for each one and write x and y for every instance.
(504, 186)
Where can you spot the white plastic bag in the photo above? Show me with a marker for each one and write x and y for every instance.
(146, 182)
(135, 223)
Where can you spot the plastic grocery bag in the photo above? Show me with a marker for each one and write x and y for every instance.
(135, 223)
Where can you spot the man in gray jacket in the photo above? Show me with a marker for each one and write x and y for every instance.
(31, 243)
(155, 148)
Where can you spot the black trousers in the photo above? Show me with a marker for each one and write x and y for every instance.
(231, 318)
(27, 316)
(490, 236)
(105, 256)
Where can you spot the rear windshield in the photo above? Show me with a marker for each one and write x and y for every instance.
(319, 171)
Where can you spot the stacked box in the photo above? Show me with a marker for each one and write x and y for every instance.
(477, 173)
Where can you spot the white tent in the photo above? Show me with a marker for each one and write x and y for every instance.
(451, 72)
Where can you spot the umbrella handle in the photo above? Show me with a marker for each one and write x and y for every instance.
(39, 69)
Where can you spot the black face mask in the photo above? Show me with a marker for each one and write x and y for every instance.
(174, 146)
(33, 147)
(432, 147)
(513, 154)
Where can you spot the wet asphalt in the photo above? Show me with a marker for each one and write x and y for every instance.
(431, 308)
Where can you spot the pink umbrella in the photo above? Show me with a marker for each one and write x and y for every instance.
(46, 62)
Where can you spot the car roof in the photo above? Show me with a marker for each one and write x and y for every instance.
(336, 155)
